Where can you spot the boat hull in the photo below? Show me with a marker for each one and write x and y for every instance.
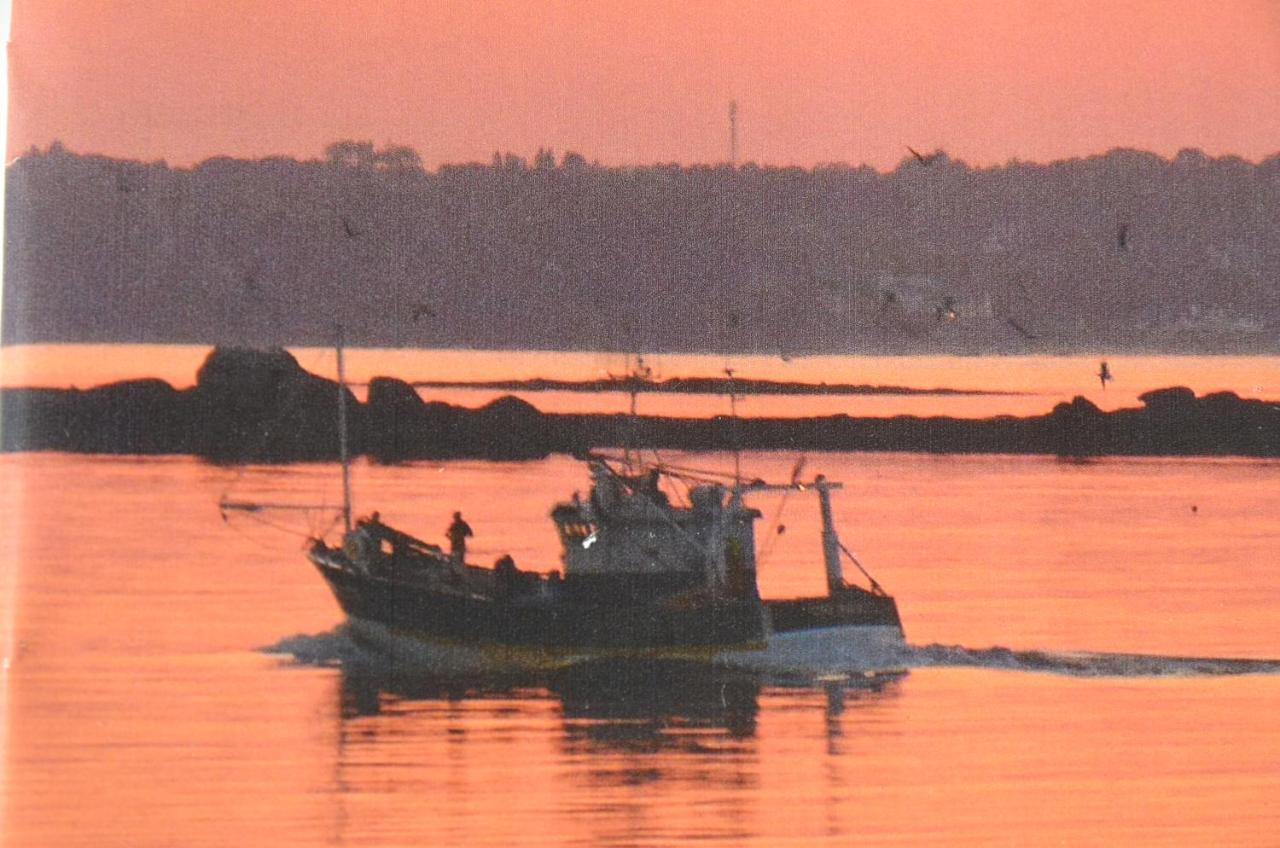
(850, 650)
(457, 632)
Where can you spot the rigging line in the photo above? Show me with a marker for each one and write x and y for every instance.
(874, 585)
(257, 542)
(772, 541)
(318, 530)
(683, 498)
(328, 528)
(277, 526)
(698, 474)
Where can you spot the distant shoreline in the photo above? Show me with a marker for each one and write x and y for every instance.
(703, 386)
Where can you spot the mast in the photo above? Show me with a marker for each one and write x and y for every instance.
(634, 379)
(343, 448)
(830, 541)
(733, 433)
(631, 419)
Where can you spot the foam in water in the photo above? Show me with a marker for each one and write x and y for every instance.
(338, 648)
(335, 648)
(1083, 664)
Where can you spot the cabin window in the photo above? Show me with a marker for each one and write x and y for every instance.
(387, 547)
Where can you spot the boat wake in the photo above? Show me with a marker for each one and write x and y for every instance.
(335, 648)
(339, 648)
(1083, 664)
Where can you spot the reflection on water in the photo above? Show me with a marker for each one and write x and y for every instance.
(636, 753)
(639, 707)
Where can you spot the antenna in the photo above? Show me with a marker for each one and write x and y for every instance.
(633, 381)
(733, 133)
(733, 433)
(343, 449)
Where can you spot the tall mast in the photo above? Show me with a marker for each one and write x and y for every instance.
(343, 449)
(634, 380)
(630, 377)
(733, 432)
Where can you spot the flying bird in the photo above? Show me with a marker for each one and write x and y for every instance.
(1022, 331)
(1122, 237)
(1104, 374)
(352, 232)
(946, 310)
(422, 310)
(924, 160)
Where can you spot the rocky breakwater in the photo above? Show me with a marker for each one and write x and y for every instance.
(261, 406)
(1171, 422)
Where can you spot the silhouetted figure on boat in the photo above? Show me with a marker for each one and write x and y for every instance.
(506, 574)
(458, 533)
(1104, 375)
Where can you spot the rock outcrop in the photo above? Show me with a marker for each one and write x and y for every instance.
(261, 406)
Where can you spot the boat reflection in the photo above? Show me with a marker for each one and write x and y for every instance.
(624, 707)
(602, 753)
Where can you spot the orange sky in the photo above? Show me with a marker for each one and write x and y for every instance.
(987, 80)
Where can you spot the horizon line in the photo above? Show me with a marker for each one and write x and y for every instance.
(57, 146)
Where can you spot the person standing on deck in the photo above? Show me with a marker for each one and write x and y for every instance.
(458, 533)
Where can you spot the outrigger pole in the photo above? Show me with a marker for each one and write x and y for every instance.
(343, 448)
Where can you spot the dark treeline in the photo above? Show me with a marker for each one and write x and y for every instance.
(250, 406)
(1122, 251)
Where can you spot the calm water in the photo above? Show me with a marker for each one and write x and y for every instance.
(143, 712)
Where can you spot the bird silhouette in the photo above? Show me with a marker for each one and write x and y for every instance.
(921, 158)
(946, 310)
(1122, 237)
(1104, 374)
(1022, 331)
(422, 310)
(352, 232)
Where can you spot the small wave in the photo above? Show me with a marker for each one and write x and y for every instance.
(1084, 664)
(335, 648)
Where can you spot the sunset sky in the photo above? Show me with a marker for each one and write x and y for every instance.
(640, 82)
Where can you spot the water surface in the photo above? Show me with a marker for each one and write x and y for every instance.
(142, 710)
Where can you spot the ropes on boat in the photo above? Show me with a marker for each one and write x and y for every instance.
(875, 587)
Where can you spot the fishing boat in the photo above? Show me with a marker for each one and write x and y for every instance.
(640, 577)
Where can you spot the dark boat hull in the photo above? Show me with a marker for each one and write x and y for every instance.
(457, 630)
